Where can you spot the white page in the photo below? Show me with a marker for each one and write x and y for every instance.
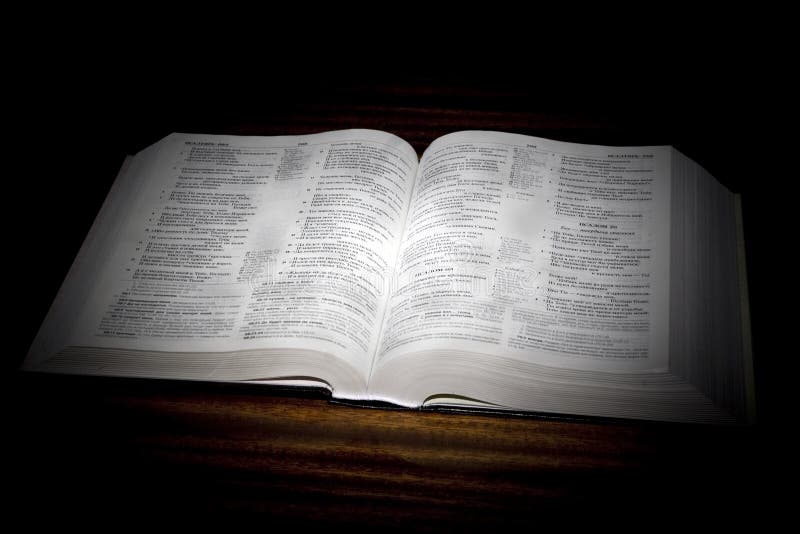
(224, 243)
(549, 252)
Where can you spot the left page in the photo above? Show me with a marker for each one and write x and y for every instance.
(231, 258)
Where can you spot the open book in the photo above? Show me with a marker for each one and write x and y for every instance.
(497, 271)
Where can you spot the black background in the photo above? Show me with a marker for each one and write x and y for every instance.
(82, 97)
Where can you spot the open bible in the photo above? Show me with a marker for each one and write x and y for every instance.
(497, 271)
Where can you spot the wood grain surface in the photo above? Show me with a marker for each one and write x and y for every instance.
(154, 448)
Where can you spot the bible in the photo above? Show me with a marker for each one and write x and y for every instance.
(496, 271)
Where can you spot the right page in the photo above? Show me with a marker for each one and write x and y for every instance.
(534, 275)
(545, 251)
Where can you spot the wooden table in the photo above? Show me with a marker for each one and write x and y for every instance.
(138, 448)
(145, 449)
